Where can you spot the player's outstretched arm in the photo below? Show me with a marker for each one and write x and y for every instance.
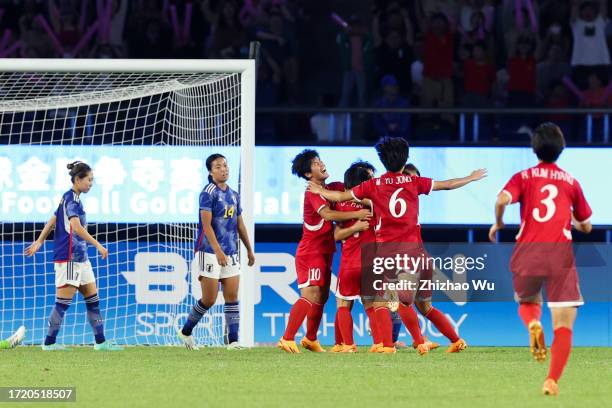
(334, 196)
(49, 226)
(343, 233)
(332, 215)
(244, 237)
(503, 200)
(78, 229)
(453, 184)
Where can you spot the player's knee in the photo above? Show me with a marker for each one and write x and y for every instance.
(424, 307)
(343, 303)
(208, 301)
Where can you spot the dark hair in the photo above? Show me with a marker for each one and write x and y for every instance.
(209, 161)
(354, 176)
(392, 152)
(481, 44)
(365, 165)
(547, 142)
(302, 163)
(409, 167)
(78, 169)
(439, 16)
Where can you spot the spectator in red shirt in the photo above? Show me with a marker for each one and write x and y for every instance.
(439, 51)
(478, 78)
(522, 74)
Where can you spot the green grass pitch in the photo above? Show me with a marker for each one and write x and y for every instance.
(266, 377)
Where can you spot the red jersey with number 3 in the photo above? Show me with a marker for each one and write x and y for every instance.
(395, 199)
(317, 234)
(548, 197)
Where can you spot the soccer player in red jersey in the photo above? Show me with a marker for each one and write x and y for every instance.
(543, 256)
(315, 252)
(353, 234)
(394, 198)
(423, 299)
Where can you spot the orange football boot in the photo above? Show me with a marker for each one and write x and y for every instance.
(537, 345)
(375, 347)
(288, 346)
(311, 345)
(550, 387)
(457, 346)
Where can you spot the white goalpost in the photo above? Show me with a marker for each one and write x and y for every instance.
(146, 128)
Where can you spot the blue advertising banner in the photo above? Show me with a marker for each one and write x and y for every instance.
(146, 292)
(150, 184)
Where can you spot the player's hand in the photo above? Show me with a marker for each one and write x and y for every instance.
(364, 214)
(493, 230)
(32, 249)
(103, 252)
(478, 174)
(314, 187)
(221, 257)
(361, 225)
(251, 257)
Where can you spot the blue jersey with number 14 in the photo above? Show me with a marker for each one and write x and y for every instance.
(224, 206)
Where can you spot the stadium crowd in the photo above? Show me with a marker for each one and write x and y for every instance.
(376, 53)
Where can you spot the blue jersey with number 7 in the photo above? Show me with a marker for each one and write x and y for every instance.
(224, 206)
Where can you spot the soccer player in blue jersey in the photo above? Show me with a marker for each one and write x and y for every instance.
(216, 251)
(73, 270)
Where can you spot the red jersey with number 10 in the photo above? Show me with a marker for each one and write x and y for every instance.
(548, 197)
(395, 199)
(317, 234)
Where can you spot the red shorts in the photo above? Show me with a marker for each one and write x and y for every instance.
(314, 269)
(349, 283)
(562, 290)
(551, 266)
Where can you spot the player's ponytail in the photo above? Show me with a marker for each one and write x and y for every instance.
(78, 169)
(209, 162)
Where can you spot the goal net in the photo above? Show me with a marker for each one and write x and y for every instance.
(145, 127)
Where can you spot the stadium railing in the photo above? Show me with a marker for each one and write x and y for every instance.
(469, 120)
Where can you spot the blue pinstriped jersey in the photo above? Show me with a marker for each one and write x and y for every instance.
(68, 246)
(225, 208)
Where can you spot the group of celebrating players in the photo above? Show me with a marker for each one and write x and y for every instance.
(362, 212)
(383, 212)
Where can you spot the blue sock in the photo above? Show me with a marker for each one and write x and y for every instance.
(56, 319)
(194, 317)
(397, 325)
(95, 318)
(232, 320)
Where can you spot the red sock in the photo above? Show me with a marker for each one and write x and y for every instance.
(296, 318)
(560, 352)
(529, 312)
(385, 325)
(345, 321)
(441, 323)
(411, 321)
(313, 321)
(337, 332)
(373, 326)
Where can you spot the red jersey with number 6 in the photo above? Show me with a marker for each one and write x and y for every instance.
(395, 199)
(317, 234)
(548, 196)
